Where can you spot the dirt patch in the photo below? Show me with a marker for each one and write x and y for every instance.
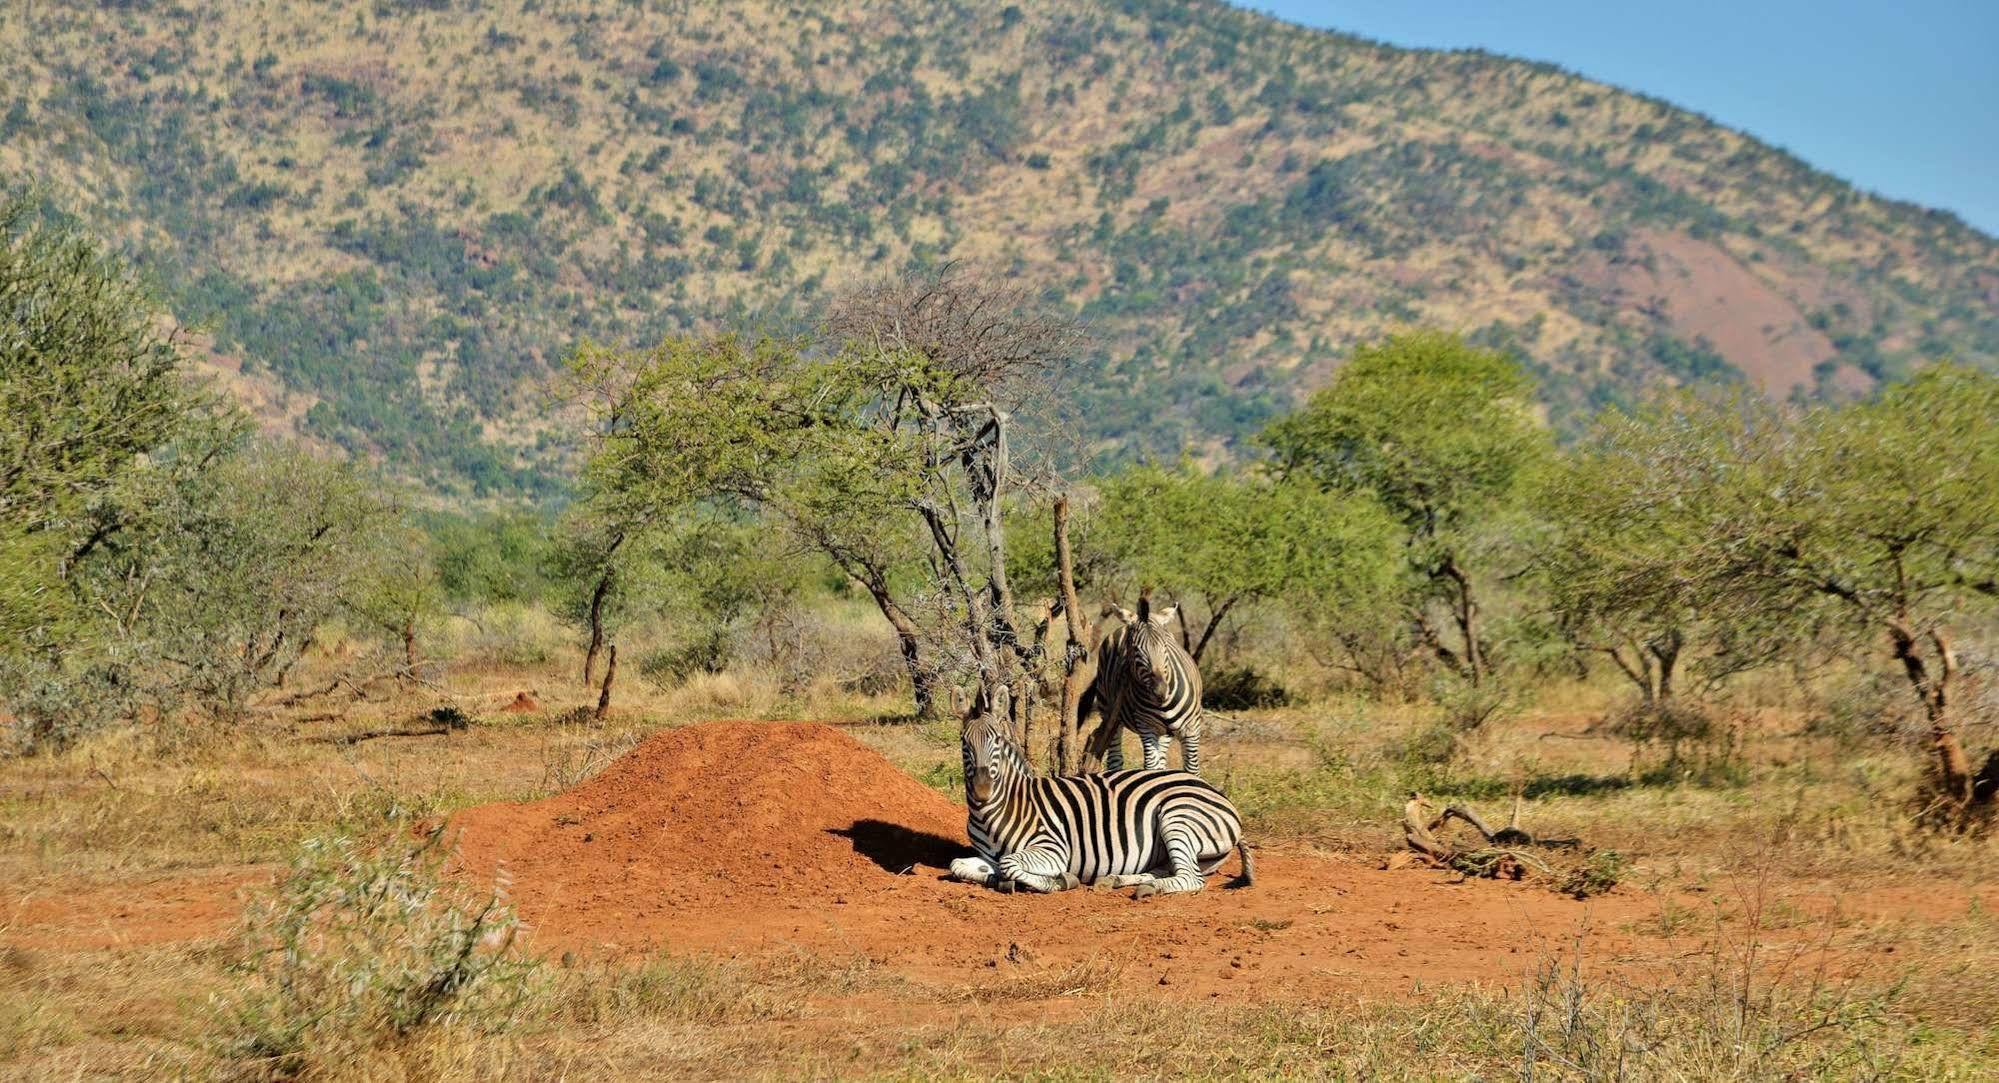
(1707, 293)
(745, 838)
(523, 703)
(171, 908)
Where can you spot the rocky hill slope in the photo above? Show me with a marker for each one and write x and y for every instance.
(396, 215)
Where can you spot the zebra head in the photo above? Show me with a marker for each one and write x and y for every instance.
(1150, 656)
(992, 763)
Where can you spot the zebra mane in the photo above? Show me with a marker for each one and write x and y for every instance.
(1145, 604)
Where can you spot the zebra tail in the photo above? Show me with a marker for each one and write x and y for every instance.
(1248, 866)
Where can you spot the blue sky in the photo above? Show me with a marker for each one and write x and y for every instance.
(1901, 99)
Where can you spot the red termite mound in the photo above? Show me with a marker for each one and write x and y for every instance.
(719, 817)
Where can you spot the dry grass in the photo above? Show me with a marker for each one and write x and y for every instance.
(1779, 975)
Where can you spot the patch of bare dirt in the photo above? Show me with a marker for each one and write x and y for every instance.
(1707, 294)
(204, 904)
(744, 837)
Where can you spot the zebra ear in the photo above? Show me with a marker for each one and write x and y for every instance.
(1165, 616)
(1124, 614)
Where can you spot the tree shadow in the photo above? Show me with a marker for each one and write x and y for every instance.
(897, 848)
(1575, 785)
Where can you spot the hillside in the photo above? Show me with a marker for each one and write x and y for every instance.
(396, 215)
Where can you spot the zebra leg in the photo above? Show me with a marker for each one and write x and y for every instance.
(1038, 870)
(1180, 854)
(1155, 750)
(1114, 756)
(1190, 752)
(1122, 880)
(974, 870)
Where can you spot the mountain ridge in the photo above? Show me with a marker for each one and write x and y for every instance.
(398, 215)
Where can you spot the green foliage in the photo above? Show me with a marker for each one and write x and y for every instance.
(208, 590)
(151, 561)
(1234, 541)
(1440, 432)
(91, 384)
(358, 950)
(492, 557)
(719, 176)
(1443, 436)
(1877, 519)
(1628, 575)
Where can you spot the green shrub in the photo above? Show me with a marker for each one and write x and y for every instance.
(672, 666)
(1598, 873)
(1242, 688)
(357, 951)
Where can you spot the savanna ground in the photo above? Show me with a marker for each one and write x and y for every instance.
(1772, 910)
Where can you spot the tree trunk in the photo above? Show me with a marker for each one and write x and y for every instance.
(409, 641)
(610, 675)
(1665, 652)
(1953, 767)
(1214, 621)
(1068, 746)
(1464, 608)
(596, 627)
(922, 682)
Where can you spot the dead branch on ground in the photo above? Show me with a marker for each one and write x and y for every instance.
(1502, 854)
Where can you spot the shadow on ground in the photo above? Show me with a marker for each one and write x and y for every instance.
(898, 848)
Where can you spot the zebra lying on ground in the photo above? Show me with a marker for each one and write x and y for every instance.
(1148, 684)
(1161, 831)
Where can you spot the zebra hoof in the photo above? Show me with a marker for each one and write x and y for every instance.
(973, 870)
(1146, 891)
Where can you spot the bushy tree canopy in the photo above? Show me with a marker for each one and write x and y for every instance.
(1445, 437)
(1228, 541)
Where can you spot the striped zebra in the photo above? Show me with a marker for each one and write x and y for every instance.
(1148, 684)
(1159, 831)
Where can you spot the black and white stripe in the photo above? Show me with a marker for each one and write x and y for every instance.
(1162, 831)
(1148, 684)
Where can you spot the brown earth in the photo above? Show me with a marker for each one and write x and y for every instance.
(752, 839)
(163, 909)
(745, 837)
(1707, 293)
(523, 703)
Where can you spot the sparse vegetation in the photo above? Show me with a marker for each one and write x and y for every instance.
(1730, 656)
(407, 225)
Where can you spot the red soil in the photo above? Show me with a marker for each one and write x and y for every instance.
(523, 703)
(746, 837)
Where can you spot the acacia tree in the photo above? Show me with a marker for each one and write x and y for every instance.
(1624, 573)
(1885, 513)
(1230, 542)
(1891, 511)
(94, 396)
(889, 444)
(1443, 435)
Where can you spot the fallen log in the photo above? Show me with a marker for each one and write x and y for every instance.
(1502, 854)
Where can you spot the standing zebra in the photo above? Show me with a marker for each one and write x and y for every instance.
(1161, 831)
(1148, 684)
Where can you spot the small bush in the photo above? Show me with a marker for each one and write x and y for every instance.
(1668, 722)
(358, 951)
(1242, 688)
(1598, 873)
(673, 666)
(450, 717)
